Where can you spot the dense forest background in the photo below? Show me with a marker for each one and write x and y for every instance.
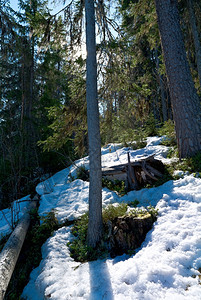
(43, 122)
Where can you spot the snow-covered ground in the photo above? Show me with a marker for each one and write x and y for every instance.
(9, 216)
(164, 267)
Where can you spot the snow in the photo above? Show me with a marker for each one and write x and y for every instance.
(70, 200)
(164, 267)
(12, 214)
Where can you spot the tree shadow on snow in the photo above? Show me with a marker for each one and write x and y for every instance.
(101, 288)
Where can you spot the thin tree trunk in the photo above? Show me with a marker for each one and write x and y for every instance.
(95, 187)
(195, 37)
(185, 101)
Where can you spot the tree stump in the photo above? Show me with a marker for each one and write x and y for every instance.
(128, 233)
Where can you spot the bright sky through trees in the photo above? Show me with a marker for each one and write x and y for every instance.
(55, 8)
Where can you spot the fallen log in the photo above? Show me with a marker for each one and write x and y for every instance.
(136, 173)
(113, 170)
(11, 251)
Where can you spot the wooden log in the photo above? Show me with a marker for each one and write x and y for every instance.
(148, 158)
(11, 251)
(132, 180)
(136, 173)
(154, 171)
(135, 163)
(113, 170)
(148, 173)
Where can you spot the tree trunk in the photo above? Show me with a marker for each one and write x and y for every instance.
(185, 101)
(95, 187)
(11, 251)
(195, 37)
(162, 88)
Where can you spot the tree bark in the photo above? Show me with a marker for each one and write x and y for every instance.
(11, 251)
(95, 187)
(195, 37)
(132, 180)
(185, 101)
(162, 88)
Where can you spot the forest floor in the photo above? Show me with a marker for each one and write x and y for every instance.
(166, 266)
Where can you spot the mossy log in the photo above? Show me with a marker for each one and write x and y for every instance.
(11, 250)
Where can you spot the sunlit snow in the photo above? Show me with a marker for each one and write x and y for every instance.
(164, 267)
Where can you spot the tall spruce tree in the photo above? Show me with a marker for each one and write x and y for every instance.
(185, 101)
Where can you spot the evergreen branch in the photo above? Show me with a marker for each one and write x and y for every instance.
(114, 25)
(63, 9)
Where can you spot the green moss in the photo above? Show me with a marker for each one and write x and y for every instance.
(112, 211)
(78, 247)
(191, 165)
(133, 203)
(82, 173)
(144, 213)
(115, 185)
(168, 129)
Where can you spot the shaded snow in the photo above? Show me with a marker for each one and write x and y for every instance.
(12, 214)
